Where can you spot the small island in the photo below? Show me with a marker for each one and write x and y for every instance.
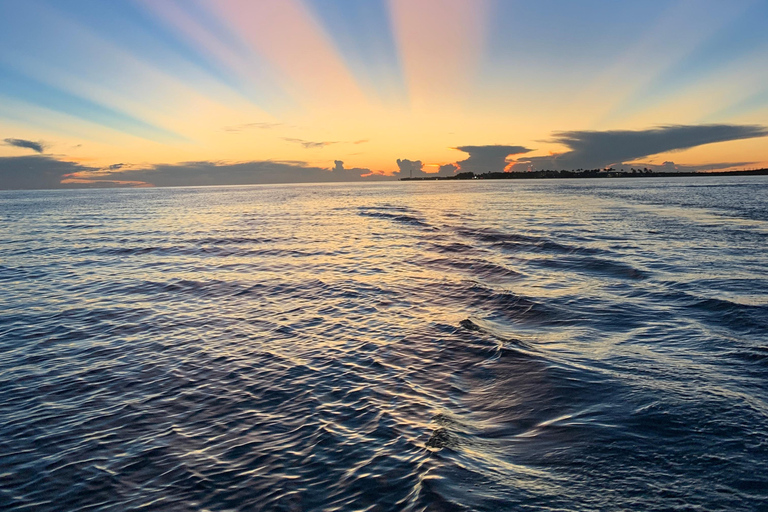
(586, 173)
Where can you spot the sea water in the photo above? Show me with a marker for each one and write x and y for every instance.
(479, 345)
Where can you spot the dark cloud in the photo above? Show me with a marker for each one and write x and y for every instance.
(409, 168)
(415, 168)
(448, 170)
(355, 174)
(35, 172)
(246, 173)
(309, 144)
(594, 149)
(39, 147)
(488, 158)
(41, 172)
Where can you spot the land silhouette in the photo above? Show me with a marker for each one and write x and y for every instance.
(586, 173)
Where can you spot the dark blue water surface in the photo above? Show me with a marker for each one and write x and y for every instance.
(500, 345)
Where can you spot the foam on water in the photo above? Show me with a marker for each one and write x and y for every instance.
(507, 345)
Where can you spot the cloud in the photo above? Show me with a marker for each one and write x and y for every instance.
(250, 126)
(488, 158)
(415, 168)
(410, 168)
(38, 147)
(36, 172)
(599, 149)
(244, 173)
(448, 170)
(355, 174)
(312, 145)
(44, 172)
(309, 144)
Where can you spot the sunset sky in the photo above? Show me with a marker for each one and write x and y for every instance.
(170, 92)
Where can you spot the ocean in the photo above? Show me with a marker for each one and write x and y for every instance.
(481, 345)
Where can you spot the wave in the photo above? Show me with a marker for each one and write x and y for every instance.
(472, 346)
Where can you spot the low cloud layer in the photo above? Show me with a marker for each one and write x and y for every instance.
(246, 173)
(35, 172)
(488, 158)
(38, 147)
(43, 172)
(599, 149)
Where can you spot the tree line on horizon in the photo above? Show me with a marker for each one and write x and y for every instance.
(608, 172)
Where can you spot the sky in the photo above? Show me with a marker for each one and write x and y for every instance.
(203, 92)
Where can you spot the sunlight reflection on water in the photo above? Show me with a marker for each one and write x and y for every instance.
(575, 344)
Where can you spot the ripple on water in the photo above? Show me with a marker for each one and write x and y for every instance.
(455, 346)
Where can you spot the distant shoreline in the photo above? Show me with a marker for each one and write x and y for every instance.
(588, 174)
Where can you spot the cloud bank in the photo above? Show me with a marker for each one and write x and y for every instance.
(599, 149)
(43, 172)
(35, 172)
(596, 150)
(245, 173)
